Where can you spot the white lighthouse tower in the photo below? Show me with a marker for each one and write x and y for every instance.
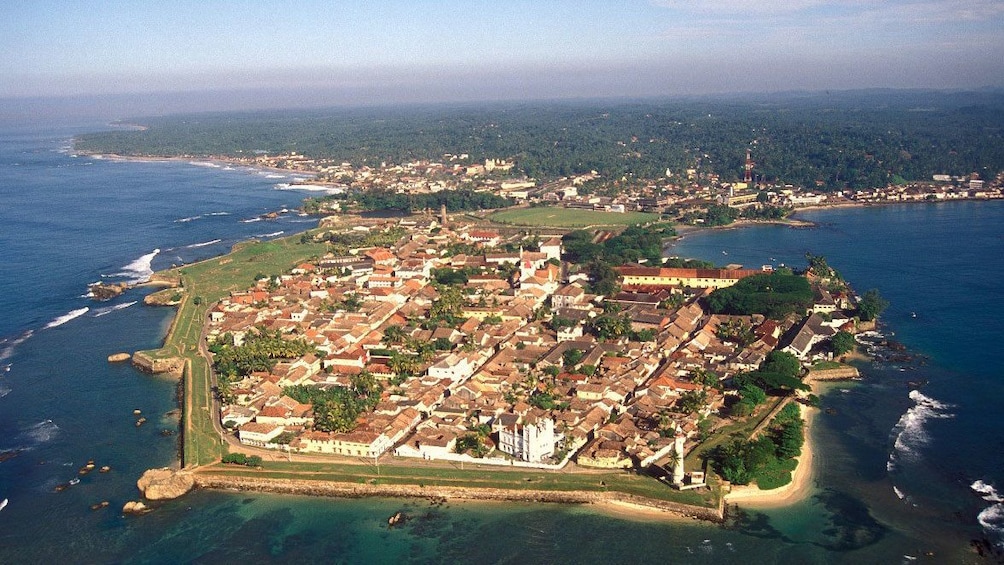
(678, 458)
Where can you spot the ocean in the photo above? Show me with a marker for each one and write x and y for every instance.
(909, 460)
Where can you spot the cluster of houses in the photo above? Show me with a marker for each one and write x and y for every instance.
(533, 392)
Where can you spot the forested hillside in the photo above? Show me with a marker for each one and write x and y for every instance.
(831, 140)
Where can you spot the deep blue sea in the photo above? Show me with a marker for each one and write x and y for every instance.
(895, 466)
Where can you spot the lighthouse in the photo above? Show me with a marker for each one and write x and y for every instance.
(678, 458)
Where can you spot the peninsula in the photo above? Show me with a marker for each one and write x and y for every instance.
(445, 357)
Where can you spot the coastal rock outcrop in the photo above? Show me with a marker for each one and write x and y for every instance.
(135, 507)
(165, 278)
(165, 484)
(166, 297)
(118, 357)
(156, 365)
(102, 291)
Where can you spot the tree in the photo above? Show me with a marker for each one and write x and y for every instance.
(871, 305)
(448, 306)
(611, 326)
(393, 334)
(782, 362)
(736, 331)
(351, 302)
(842, 342)
(692, 401)
(605, 278)
(775, 295)
(571, 357)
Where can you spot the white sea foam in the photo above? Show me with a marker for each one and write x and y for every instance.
(909, 432)
(4, 391)
(310, 188)
(203, 244)
(986, 491)
(274, 176)
(40, 433)
(188, 219)
(992, 520)
(109, 309)
(204, 164)
(218, 214)
(67, 317)
(899, 493)
(139, 270)
(273, 234)
(250, 220)
(7, 346)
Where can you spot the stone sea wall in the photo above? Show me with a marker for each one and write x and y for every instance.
(171, 365)
(839, 374)
(356, 490)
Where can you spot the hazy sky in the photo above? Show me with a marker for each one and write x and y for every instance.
(313, 53)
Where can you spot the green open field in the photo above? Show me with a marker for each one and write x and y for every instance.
(474, 476)
(205, 283)
(569, 217)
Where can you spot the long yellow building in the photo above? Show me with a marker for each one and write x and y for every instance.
(693, 278)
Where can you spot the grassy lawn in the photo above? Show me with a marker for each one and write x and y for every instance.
(569, 218)
(480, 477)
(742, 429)
(204, 284)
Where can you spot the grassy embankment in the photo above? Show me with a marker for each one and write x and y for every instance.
(205, 283)
(552, 216)
(473, 476)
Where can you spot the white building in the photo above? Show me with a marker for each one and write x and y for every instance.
(454, 367)
(532, 440)
(552, 248)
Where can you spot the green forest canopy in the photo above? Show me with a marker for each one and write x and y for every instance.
(852, 139)
(774, 295)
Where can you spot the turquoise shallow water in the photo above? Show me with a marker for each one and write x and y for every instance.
(66, 221)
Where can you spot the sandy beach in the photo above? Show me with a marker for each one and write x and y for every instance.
(802, 481)
(637, 512)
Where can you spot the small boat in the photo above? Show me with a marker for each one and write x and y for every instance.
(913, 314)
(74, 481)
(3, 504)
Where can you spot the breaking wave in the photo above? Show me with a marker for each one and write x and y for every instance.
(7, 346)
(38, 433)
(203, 244)
(250, 220)
(109, 309)
(139, 270)
(991, 518)
(186, 220)
(204, 164)
(310, 188)
(986, 491)
(67, 317)
(4, 391)
(273, 234)
(909, 431)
